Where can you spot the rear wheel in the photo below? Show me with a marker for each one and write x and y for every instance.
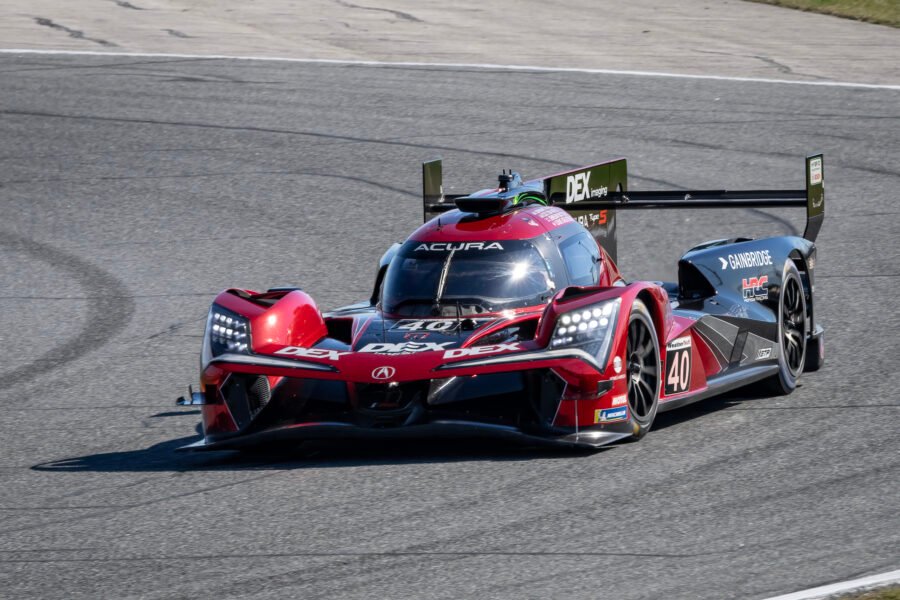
(792, 333)
(642, 376)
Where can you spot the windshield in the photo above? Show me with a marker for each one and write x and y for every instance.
(441, 278)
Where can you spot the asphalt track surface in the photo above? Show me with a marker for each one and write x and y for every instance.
(133, 190)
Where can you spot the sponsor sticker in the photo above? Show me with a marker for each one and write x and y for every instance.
(447, 246)
(679, 343)
(611, 415)
(311, 353)
(404, 347)
(578, 187)
(554, 216)
(592, 219)
(747, 260)
(479, 350)
(678, 366)
(437, 326)
(763, 353)
(755, 288)
(739, 310)
(815, 171)
(620, 400)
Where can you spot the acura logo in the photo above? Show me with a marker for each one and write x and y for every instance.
(383, 373)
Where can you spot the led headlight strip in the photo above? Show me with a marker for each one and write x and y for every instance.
(589, 327)
(227, 331)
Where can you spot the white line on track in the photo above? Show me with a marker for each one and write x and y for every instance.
(478, 66)
(872, 581)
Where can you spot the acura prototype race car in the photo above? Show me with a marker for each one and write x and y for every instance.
(505, 315)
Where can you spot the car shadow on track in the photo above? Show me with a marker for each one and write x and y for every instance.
(162, 456)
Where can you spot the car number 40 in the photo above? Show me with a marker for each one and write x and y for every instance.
(443, 326)
(678, 366)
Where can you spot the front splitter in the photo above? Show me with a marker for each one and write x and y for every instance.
(586, 438)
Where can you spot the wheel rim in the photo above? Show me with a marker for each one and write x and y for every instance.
(643, 370)
(793, 325)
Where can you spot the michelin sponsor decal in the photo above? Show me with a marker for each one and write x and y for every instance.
(746, 260)
(611, 415)
(578, 187)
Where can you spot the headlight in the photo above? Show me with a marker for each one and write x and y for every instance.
(589, 328)
(227, 332)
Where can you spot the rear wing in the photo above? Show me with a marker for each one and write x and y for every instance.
(594, 193)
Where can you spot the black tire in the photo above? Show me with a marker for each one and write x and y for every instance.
(793, 332)
(643, 369)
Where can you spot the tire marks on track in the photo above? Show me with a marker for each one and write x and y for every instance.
(108, 313)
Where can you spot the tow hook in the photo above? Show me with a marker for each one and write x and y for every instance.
(192, 399)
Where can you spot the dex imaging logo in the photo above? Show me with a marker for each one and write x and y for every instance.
(578, 187)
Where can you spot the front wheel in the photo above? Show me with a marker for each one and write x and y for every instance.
(642, 358)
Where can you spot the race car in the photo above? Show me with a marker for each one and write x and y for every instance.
(505, 316)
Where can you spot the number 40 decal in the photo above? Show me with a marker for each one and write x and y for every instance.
(678, 366)
(442, 326)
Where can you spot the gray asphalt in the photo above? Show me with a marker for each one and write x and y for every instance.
(132, 190)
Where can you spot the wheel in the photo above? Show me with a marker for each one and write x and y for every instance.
(643, 374)
(792, 333)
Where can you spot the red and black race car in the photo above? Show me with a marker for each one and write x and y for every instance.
(504, 315)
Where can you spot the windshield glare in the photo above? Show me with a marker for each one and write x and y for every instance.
(441, 279)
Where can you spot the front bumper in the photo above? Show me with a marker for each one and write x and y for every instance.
(530, 406)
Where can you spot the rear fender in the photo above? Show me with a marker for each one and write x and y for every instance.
(747, 269)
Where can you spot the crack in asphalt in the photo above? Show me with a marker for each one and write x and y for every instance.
(125, 4)
(178, 34)
(397, 13)
(73, 33)
(780, 67)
